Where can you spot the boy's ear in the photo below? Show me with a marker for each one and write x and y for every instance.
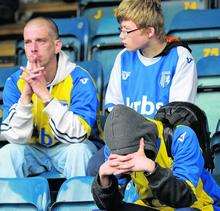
(150, 31)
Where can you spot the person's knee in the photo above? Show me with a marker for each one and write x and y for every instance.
(81, 150)
(11, 149)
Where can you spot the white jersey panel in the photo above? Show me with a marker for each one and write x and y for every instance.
(184, 83)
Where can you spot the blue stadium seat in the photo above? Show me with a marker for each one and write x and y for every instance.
(21, 57)
(171, 8)
(102, 23)
(24, 194)
(104, 43)
(208, 93)
(106, 55)
(209, 48)
(74, 32)
(75, 195)
(205, 25)
(88, 4)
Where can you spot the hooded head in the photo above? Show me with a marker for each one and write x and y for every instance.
(125, 127)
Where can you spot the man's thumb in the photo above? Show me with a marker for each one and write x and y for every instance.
(141, 145)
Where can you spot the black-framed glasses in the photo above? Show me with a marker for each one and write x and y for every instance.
(126, 33)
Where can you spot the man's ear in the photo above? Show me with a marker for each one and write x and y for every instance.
(58, 46)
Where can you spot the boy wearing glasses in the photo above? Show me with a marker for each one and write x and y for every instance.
(151, 71)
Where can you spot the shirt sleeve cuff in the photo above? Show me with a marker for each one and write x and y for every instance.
(25, 109)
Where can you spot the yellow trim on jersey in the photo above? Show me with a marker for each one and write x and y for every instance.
(85, 125)
(204, 201)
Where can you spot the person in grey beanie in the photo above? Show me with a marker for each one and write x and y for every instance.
(138, 148)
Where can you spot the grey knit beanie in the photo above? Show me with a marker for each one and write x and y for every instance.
(125, 127)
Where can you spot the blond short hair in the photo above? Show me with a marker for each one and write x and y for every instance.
(143, 13)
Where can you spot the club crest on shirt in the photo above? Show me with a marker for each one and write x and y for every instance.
(182, 137)
(84, 80)
(125, 75)
(165, 78)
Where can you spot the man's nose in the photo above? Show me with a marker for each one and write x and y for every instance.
(34, 47)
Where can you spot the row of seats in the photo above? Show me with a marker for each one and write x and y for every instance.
(74, 194)
(33, 193)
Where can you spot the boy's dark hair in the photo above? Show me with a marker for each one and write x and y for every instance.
(185, 113)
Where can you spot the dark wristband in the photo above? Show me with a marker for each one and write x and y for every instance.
(47, 102)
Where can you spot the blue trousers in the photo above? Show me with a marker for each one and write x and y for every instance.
(25, 160)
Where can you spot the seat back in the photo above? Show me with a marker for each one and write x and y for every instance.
(106, 56)
(208, 93)
(74, 33)
(102, 22)
(171, 8)
(88, 4)
(205, 25)
(21, 58)
(204, 49)
(24, 194)
(104, 43)
(75, 194)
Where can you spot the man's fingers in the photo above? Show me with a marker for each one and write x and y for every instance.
(126, 166)
(113, 163)
(121, 158)
(35, 64)
(122, 171)
(39, 69)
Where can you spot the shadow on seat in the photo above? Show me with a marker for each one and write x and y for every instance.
(24, 194)
(208, 92)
